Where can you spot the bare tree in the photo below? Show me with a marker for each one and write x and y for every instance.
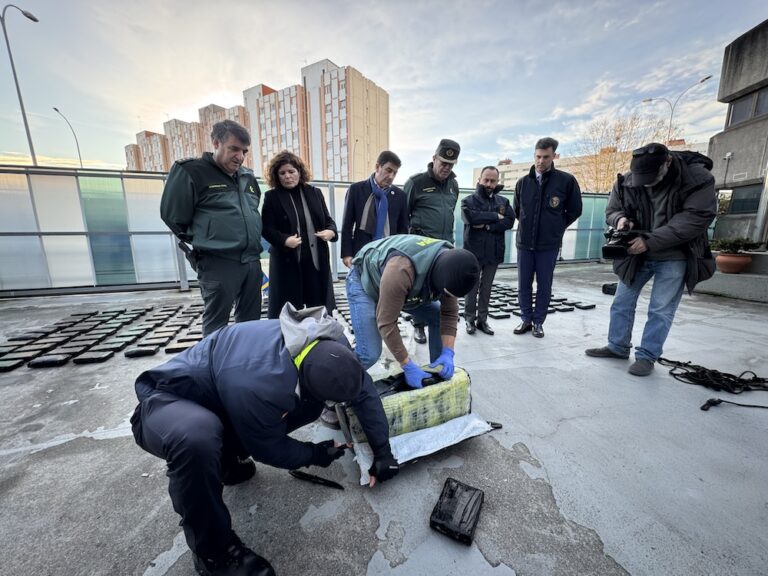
(606, 147)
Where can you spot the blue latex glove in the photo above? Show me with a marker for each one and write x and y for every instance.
(414, 375)
(446, 361)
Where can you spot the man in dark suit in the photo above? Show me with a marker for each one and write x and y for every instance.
(374, 208)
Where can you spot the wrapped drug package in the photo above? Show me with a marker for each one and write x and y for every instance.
(421, 421)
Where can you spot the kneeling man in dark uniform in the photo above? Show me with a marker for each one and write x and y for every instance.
(239, 393)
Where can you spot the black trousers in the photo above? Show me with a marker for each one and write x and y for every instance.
(197, 445)
(226, 282)
(477, 308)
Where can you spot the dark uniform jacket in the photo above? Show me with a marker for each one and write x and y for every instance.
(218, 213)
(360, 203)
(431, 204)
(245, 375)
(482, 209)
(543, 215)
(280, 222)
(691, 207)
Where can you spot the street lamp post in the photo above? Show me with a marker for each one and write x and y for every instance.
(672, 106)
(32, 17)
(73, 134)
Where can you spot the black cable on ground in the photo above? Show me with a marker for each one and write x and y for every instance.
(690, 373)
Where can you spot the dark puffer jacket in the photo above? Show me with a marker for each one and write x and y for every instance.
(483, 209)
(691, 207)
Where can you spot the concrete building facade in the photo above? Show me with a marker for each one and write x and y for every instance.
(348, 120)
(185, 139)
(133, 160)
(740, 151)
(278, 121)
(153, 147)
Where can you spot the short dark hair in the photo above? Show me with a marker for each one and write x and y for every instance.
(281, 159)
(388, 156)
(547, 142)
(489, 168)
(223, 129)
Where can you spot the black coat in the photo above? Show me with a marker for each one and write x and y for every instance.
(285, 276)
(543, 215)
(352, 236)
(482, 209)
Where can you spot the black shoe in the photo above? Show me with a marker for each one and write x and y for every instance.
(418, 334)
(483, 327)
(604, 352)
(471, 328)
(238, 560)
(525, 326)
(238, 472)
(538, 331)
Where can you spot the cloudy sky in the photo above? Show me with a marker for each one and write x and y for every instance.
(494, 75)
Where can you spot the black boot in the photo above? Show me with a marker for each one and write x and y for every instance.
(418, 334)
(471, 327)
(238, 560)
(237, 471)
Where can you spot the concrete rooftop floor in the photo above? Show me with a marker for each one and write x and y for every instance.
(594, 472)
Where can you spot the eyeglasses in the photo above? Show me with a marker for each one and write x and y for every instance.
(651, 149)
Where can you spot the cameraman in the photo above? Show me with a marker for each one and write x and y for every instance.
(672, 195)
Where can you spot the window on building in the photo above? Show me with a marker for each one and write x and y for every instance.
(327, 88)
(342, 85)
(746, 199)
(762, 102)
(740, 110)
(328, 108)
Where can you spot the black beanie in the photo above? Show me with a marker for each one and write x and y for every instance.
(456, 270)
(331, 371)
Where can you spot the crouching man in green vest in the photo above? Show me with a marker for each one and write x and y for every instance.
(408, 273)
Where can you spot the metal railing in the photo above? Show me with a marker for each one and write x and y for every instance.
(65, 231)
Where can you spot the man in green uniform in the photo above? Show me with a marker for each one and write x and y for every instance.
(432, 197)
(213, 202)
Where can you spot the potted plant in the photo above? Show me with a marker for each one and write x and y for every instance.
(733, 256)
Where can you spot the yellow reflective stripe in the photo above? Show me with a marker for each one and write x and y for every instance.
(300, 358)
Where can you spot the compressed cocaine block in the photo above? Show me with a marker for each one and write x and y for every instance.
(584, 306)
(8, 365)
(610, 288)
(177, 347)
(93, 357)
(140, 351)
(564, 308)
(498, 315)
(457, 511)
(412, 410)
(49, 361)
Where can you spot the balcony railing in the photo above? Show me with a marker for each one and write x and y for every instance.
(80, 230)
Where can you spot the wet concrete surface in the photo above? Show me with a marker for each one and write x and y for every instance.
(594, 472)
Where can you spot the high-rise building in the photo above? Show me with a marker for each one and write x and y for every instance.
(185, 139)
(154, 151)
(278, 122)
(348, 121)
(337, 120)
(133, 158)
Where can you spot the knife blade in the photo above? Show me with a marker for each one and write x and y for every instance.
(315, 479)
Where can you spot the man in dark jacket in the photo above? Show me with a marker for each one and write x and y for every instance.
(213, 202)
(432, 198)
(374, 208)
(547, 201)
(239, 393)
(669, 197)
(487, 216)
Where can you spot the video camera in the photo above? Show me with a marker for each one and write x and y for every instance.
(618, 241)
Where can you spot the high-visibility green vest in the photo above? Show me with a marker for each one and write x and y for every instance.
(420, 250)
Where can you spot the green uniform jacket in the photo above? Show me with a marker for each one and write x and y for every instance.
(218, 213)
(431, 204)
(421, 251)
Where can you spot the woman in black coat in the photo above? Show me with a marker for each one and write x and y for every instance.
(298, 226)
